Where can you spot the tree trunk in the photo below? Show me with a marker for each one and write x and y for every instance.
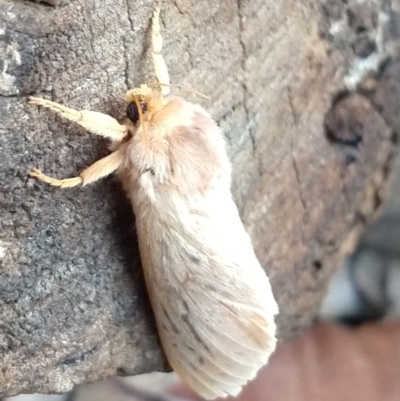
(307, 95)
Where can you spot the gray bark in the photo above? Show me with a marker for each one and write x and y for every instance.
(311, 136)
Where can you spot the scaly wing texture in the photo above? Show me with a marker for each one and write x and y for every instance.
(212, 300)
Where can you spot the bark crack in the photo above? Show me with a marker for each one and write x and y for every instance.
(245, 89)
(125, 45)
(297, 175)
(293, 159)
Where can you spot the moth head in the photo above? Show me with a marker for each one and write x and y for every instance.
(143, 103)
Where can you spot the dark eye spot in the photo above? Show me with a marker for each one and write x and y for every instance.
(133, 113)
(150, 170)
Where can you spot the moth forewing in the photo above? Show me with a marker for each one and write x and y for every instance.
(213, 302)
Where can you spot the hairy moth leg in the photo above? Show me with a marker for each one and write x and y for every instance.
(102, 168)
(95, 122)
(160, 66)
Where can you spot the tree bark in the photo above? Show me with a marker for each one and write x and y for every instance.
(307, 95)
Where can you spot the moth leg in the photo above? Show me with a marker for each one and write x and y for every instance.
(160, 66)
(95, 122)
(97, 170)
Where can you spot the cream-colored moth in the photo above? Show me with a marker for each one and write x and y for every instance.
(212, 300)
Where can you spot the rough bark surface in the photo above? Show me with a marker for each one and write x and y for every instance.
(311, 141)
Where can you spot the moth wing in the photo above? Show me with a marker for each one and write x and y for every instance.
(212, 301)
(215, 343)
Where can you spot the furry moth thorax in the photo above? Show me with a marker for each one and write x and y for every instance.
(174, 141)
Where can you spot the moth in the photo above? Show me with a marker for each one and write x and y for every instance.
(212, 301)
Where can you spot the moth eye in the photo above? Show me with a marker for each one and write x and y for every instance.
(133, 113)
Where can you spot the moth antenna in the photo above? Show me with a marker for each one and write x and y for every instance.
(186, 88)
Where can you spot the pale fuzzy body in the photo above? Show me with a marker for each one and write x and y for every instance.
(212, 300)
